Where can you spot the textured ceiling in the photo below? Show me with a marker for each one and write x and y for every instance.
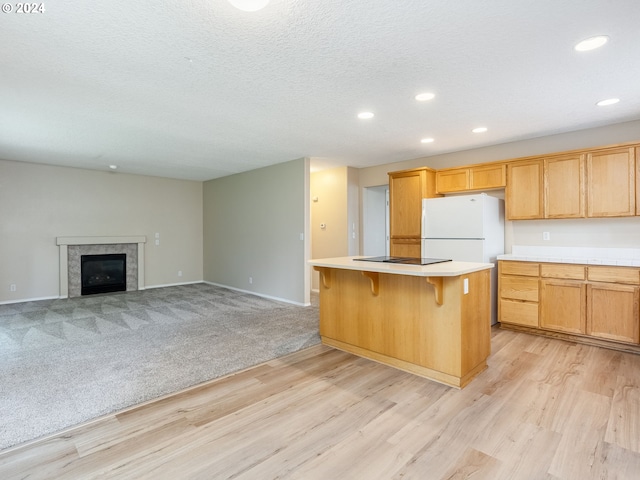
(198, 89)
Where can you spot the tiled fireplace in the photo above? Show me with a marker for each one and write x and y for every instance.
(73, 248)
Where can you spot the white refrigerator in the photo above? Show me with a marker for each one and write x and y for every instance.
(467, 228)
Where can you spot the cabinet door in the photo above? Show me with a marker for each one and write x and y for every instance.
(524, 190)
(487, 177)
(612, 312)
(611, 183)
(452, 180)
(562, 305)
(564, 187)
(405, 204)
(405, 247)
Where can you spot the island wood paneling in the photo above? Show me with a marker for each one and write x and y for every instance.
(404, 325)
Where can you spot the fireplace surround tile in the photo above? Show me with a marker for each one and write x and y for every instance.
(72, 248)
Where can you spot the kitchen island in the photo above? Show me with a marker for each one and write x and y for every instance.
(430, 320)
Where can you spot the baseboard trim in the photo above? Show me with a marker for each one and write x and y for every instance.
(270, 297)
(24, 300)
(148, 287)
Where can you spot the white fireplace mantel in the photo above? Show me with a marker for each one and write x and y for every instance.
(64, 242)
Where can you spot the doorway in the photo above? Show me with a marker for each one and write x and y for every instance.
(375, 225)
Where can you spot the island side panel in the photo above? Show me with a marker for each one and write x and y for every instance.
(476, 324)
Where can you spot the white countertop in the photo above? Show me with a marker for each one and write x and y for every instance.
(444, 269)
(627, 257)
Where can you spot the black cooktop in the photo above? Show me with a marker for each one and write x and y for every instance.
(404, 260)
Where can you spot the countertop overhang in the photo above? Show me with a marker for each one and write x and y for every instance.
(444, 269)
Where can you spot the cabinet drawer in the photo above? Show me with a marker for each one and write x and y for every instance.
(556, 270)
(519, 288)
(627, 275)
(526, 269)
(519, 313)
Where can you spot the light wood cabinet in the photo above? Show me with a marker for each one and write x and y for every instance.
(563, 305)
(596, 183)
(524, 192)
(479, 177)
(613, 312)
(613, 295)
(564, 190)
(452, 180)
(611, 182)
(595, 304)
(406, 247)
(406, 190)
(518, 298)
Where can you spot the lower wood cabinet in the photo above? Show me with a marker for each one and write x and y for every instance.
(612, 312)
(589, 303)
(562, 305)
(518, 297)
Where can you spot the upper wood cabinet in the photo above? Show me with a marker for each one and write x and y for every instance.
(564, 192)
(407, 188)
(524, 190)
(479, 177)
(598, 183)
(452, 180)
(611, 182)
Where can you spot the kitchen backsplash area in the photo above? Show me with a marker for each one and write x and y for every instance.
(629, 257)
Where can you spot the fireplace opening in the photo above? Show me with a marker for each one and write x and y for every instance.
(103, 273)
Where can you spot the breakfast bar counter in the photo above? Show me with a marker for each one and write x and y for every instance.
(430, 320)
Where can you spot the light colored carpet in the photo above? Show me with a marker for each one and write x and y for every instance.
(63, 362)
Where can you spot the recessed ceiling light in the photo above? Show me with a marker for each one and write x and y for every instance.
(591, 43)
(479, 130)
(249, 5)
(608, 101)
(113, 167)
(365, 115)
(426, 140)
(423, 97)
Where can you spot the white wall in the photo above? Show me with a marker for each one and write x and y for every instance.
(336, 205)
(252, 227)
(607, 232)
(40, 202)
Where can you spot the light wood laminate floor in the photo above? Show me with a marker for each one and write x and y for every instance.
(544, 409)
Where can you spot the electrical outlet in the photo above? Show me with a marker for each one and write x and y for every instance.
(12, 287)
(546, 236)
(179, 273)
(250, 280)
